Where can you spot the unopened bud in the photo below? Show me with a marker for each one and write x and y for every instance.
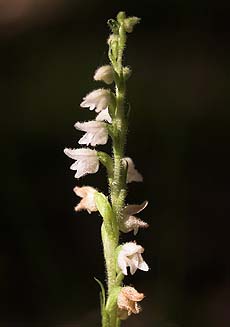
(105, 74)
(130, 22)
(121, 16)
(127, 72)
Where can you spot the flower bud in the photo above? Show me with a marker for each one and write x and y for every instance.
(127, 72)
(105, 74)
(130, 22)
(121, 16)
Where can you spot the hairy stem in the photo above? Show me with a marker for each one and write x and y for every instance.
(118, 184)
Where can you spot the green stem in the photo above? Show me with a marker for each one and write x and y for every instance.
(117, 183)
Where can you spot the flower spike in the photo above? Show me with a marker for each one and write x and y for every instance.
(112, 109)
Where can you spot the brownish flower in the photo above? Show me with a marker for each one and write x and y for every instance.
(127, 302)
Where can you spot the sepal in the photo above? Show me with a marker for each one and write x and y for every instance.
(105, 210)
(106, 161)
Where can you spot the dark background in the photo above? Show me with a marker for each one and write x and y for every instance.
(178, 138)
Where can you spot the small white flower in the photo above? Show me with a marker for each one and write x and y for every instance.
(87, 194)
(105, 74)
(96, 132)
(130, 222)
(133, 174)
(86, 161)
(104, 116)
(99, 99)
(130, 256)
(127, 302)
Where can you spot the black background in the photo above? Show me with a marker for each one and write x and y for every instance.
(178, 138)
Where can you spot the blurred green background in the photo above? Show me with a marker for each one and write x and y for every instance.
(179, 132)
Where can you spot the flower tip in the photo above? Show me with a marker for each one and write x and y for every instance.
(130, 22)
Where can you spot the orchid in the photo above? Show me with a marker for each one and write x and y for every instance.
(96, 132)
(111, 120)
(105, 74)
(98, 99)
(127, 302)
(86, 161)
(131, 223)
(87, 194)
(130, 256)
(133, 174)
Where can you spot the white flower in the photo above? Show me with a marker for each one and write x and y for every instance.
(127, 302)
(132, 174)
(96, 132)
(130, 256)
(104, 73)
(130, 222)
(87, 194)
(104, 116)
(98, 99)
(86, 161)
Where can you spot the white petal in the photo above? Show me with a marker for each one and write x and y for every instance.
(104, 116)
(133, 266)
(98, 99)
(132, 209)
(96, 132)
(143, 266)
(74, 166)
(132, 174)
(86, 139)
(86, 161)
(130, 248)
(80, 153)
(122, 263)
